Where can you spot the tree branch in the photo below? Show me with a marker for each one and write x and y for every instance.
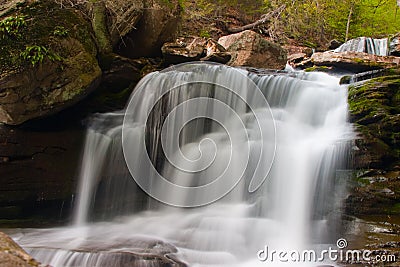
(264, 19)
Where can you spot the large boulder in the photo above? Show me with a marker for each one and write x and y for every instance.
(250, 49)
(352, 61)
(12, 255)
(156, 26)
(47, 63)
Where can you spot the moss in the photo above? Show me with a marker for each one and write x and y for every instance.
(374, 107)
(395, 209)
(318, 68)
(42, 19)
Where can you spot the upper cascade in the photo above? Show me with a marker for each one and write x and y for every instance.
(368, 45)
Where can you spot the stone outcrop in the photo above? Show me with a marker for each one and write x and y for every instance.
(194, 49)
(184, 50)
(374, 110)
(58, 71)
(12, 255)
(350, 61)
(250, 49)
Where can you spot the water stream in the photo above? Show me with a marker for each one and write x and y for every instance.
(272, 170)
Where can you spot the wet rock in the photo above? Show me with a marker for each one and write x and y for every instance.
(394, 46)
(12, 255)
(250, 49)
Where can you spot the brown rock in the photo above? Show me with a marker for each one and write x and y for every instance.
(157, 25)
(252, 50)
(46, 89)
(184, 50)
(354, 61)
(123, 17)
(67, 73)
(12, 255)
(215, 52)
(296, 58)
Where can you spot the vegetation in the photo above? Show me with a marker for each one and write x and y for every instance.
(35, 54)
(11, 26)
(311, 22)
(37, 32)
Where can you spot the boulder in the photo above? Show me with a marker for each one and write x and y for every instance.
(250, 49)
(293, 59)
(184, 50)
(333, 44)
(12, 255)
(353, 61)
(50, 64)
(215, 52)
(193, 49)
(157, 25)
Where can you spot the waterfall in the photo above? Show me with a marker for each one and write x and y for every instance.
(367, 45)
(236, 160)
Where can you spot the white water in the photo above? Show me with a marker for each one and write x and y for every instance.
(293, 209)
(367, 45)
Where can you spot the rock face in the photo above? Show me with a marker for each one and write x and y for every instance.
(31, 87)
(374, 110)
(250, 49)
(12, 255)
(353, 61)
(38, 171)
(157, 25)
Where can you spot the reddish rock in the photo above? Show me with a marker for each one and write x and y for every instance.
(354, 61)
(12, 255)
(250, 49)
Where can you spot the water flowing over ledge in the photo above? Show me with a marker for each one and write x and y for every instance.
(299, 140)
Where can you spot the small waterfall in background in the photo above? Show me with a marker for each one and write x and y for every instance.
(367, 45)
(194, 131)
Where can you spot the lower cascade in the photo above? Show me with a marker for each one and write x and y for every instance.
(208, 165)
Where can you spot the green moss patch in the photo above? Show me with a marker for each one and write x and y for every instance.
(45, 24)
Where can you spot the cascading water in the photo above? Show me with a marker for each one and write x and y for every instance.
(196, 124)
(367, 45)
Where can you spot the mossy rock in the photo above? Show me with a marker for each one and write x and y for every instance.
(61, 71)
(374, 108)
